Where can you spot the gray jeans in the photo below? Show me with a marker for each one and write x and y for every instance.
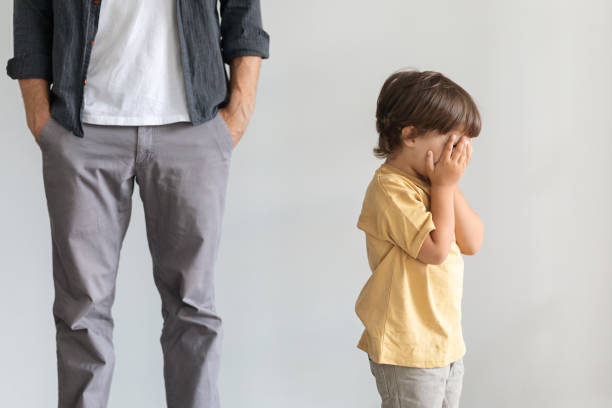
(412, 387)
(182, 173)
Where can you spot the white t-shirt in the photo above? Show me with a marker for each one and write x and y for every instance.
(135, 76)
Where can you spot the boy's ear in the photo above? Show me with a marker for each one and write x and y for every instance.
(407, 134)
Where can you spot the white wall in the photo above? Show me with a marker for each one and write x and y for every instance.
(536, 311)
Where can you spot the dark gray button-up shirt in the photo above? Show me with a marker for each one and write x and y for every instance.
(53, 40)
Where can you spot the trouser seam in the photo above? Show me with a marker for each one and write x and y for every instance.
(397, 393)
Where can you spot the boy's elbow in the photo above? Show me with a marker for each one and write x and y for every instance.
(469, 251)
(432, 253)
(434, 257)
(438, 256)
(471, 248)
(438, 260)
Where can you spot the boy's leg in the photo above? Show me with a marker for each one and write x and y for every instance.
(88, 186)
(182, 173)
(454, 385)
(410, 387)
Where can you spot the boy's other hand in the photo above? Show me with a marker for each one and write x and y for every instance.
(449, 169)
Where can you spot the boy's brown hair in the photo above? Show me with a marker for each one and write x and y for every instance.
(426, 100)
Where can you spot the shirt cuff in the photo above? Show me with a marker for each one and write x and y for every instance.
(414, 246)
(30, 66)
(258, 45)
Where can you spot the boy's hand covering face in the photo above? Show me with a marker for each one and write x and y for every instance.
(449, 169)
(468, 152)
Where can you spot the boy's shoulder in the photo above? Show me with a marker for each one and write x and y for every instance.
(390, 199)
(390, 184)
(388, 195)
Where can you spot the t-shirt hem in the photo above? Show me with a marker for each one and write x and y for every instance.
(133, 120)
(414, 363)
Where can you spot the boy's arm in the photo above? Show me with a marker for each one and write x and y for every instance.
(469, 228)
(444, 177)
(437, 244)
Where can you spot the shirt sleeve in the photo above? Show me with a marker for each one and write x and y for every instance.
(32, 40)
(241, 30)
(404, 220)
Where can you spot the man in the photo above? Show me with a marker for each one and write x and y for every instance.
(123, 91)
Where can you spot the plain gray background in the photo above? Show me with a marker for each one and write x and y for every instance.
(536, 308)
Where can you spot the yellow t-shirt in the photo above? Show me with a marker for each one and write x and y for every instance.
(411, 310)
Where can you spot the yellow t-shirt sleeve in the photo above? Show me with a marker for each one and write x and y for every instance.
(404, 219)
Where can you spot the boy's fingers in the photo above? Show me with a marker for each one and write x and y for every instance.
(469, 151)
(429, 162)
(459, 150)
(448, 149)
(464, 155)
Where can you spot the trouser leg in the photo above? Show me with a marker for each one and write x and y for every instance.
(410, 387)
(88, 186)
(182, 173)
(454, 385)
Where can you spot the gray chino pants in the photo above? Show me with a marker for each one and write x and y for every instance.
(182, 174)
(413, 387)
